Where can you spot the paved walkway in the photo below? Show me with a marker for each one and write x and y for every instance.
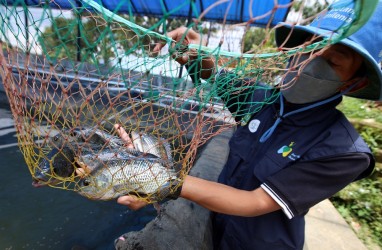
(327, 230)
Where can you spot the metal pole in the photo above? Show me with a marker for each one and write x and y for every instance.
(26, 26)
(79, 22)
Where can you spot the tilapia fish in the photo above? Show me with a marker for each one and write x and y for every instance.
(66, 147)
(60, 163)
(124, 172)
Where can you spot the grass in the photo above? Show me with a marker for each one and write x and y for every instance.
(360, 109)
(360, 203)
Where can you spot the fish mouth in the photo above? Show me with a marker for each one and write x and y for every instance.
(38, 183)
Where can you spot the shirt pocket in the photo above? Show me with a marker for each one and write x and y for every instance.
(268, 166)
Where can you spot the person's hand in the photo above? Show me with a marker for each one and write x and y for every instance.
(132, 202)
(185, 36)
(183, 55)
(124, 136)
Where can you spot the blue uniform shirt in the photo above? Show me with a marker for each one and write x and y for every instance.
(303, 162)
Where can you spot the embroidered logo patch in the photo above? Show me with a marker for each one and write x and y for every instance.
(253, 125)
(286, 151)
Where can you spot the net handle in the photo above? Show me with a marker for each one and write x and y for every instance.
(363, 8)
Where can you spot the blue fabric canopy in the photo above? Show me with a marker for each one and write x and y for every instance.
(234, 11)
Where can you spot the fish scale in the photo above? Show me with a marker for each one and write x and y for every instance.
(113, 169)
(142, 175)
(72, 144)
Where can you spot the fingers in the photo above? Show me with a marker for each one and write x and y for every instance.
(183, 34)
(83, 169)
(174, 35)
(158, 47)
(80, 172)
(124, 135)
(131, 201)
(181, 59)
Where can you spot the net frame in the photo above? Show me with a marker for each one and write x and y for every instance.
(42, 110)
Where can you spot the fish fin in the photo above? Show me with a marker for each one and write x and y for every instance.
(157, 207)
(122, 190)
(137, 141)
(167, 148)
(120, 187)
(136, 153)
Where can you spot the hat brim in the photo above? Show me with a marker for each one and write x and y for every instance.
(289, 36)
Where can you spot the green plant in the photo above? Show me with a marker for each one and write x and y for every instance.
(360, 203)
(372, 137)
(360, 109)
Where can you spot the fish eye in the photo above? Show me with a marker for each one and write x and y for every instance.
(55, 138)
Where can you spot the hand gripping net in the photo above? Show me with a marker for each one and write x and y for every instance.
(71, 73)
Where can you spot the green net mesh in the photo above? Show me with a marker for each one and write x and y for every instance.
(71, 75)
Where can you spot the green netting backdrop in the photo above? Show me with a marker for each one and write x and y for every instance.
(71, 75)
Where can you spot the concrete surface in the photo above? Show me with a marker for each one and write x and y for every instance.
(182, 224)
(326, 229)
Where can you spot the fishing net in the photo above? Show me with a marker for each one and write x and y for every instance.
(73, 69)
